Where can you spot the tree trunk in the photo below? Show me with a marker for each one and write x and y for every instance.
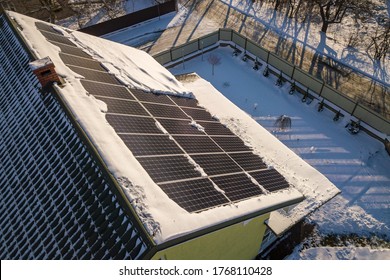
(325, 26)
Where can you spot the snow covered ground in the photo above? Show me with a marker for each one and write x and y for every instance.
(356, 164)
(337, 44)
(90, 14)
(341, 253)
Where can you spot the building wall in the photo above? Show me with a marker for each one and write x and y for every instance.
(237, 242)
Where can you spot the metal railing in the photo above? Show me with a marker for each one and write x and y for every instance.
(288, 71)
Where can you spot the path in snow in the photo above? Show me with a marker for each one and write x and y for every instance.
(356, 164)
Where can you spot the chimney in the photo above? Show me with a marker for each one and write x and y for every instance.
(45, 72)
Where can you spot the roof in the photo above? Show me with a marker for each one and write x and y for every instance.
(182, 169)
(56, 202)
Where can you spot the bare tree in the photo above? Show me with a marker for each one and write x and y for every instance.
(214, 59)
(379, 43)
(333, 11)
(48, 7)
(294, 7)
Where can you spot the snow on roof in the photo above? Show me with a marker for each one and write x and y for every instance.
(316, 188)
(163, 218)
(39, 63)
(134, 67)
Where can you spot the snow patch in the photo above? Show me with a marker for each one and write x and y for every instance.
(197, 126)
(160, 127)
(196, 166)
(218, 189)
(137, 198)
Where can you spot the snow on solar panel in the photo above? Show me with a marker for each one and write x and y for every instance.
(179, 126)
(169, 168)
(151, 97)
(248, 161)
(216, 164)
(237, 186)
(198, 114)
(215, 128)
(187, 102)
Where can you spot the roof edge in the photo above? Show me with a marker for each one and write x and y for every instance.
(280, 231)
(14, 26)
(187, 237)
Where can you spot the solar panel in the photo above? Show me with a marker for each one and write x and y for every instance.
(151, 97)
(148, 145)
(197, 144)
(179, 126)
(108, 90)
(237, 187)
(45, 27)
(198, 114)
(270, 179)
(131, 124)
(123, 106)
(215, 128)
(71, 50)
(168, 168)
(231, 144)
(158, 110)
(57, 38)
(248, 161)
(160, 156)
(82, 62)
(195, 195)
(216, 164)
(95, 75)
(183, 101)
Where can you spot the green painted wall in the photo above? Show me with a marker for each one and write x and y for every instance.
(237, 242)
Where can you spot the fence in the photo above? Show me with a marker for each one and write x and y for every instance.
(328, 93)
(130, 19)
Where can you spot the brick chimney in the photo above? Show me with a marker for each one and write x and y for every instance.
(45, 72)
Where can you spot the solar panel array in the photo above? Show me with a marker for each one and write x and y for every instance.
(55, 202)
(197, 161)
